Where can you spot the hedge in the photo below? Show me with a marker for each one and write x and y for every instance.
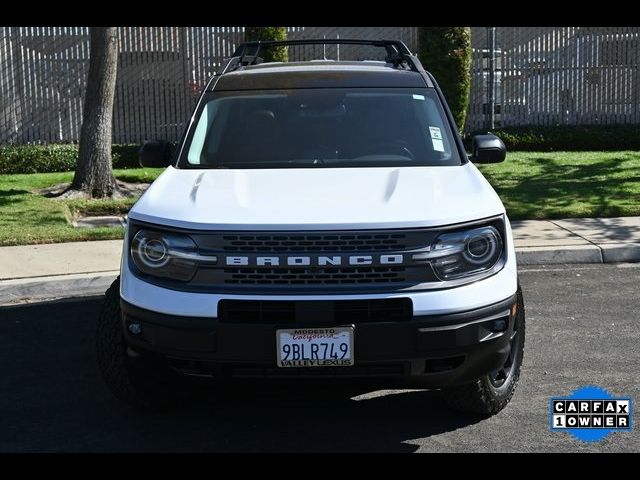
(568, 138)
(57, 158)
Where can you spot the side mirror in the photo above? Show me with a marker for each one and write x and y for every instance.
(487, 149)
(156, 154)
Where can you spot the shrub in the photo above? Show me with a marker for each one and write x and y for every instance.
(271, 54)
(125, 155)
(568, 137)
(57, 158)
(446, 53)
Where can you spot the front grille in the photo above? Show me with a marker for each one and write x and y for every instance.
(240, 268)
(328, 268)
(320, 242)
(336, 312)
(297, 276)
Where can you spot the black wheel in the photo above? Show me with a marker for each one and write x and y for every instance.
(138, 381)
(492, 392)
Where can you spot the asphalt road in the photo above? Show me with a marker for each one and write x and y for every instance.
(582, 328)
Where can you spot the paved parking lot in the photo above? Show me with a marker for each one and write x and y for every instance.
(583, 327)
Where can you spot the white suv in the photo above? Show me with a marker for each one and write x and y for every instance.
(318, 219)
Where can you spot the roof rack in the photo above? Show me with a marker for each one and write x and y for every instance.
(397, 52)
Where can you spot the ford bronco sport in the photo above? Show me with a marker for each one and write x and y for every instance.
(317, 219)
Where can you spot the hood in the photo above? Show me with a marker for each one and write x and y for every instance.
(317, 198)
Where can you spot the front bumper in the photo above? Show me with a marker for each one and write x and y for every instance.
(431, 350)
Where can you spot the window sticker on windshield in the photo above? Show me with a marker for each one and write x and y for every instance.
(435, 133)
(438, 146)
(418, 97)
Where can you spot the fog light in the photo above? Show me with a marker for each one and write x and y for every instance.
(499, 325)
(135, 328)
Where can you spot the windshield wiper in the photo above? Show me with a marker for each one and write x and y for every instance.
(291, 164)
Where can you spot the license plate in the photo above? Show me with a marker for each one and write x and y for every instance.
(315, 347)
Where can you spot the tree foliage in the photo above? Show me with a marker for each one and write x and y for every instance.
(446, 53)
(271, 54)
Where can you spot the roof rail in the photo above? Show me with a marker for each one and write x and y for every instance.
(397, 52)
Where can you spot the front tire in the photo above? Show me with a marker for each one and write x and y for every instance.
(492, 392)
(139, 384)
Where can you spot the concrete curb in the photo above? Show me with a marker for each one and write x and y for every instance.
(620, 252)
(591, 253)
(558, 254)
(41, 289)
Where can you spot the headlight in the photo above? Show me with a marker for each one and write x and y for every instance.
(465, 253)
(169, 255)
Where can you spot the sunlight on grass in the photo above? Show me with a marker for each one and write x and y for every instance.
(567, 184)
(27, 217)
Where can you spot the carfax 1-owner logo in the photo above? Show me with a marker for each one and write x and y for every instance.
(590, 414)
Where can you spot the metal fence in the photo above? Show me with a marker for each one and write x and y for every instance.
(557, 76)
(43, 73)
(543, 75)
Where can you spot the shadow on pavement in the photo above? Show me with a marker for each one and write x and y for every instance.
(53, 399)
(305, 419)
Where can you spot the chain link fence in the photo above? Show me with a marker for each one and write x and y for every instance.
(543, 75)
(557, 76)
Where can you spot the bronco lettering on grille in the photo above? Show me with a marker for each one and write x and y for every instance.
(319, 260)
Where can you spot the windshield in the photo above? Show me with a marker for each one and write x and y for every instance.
(332, 128)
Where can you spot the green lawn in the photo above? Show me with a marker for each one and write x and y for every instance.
(568, 184)
(26, 217)
(531, 184)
